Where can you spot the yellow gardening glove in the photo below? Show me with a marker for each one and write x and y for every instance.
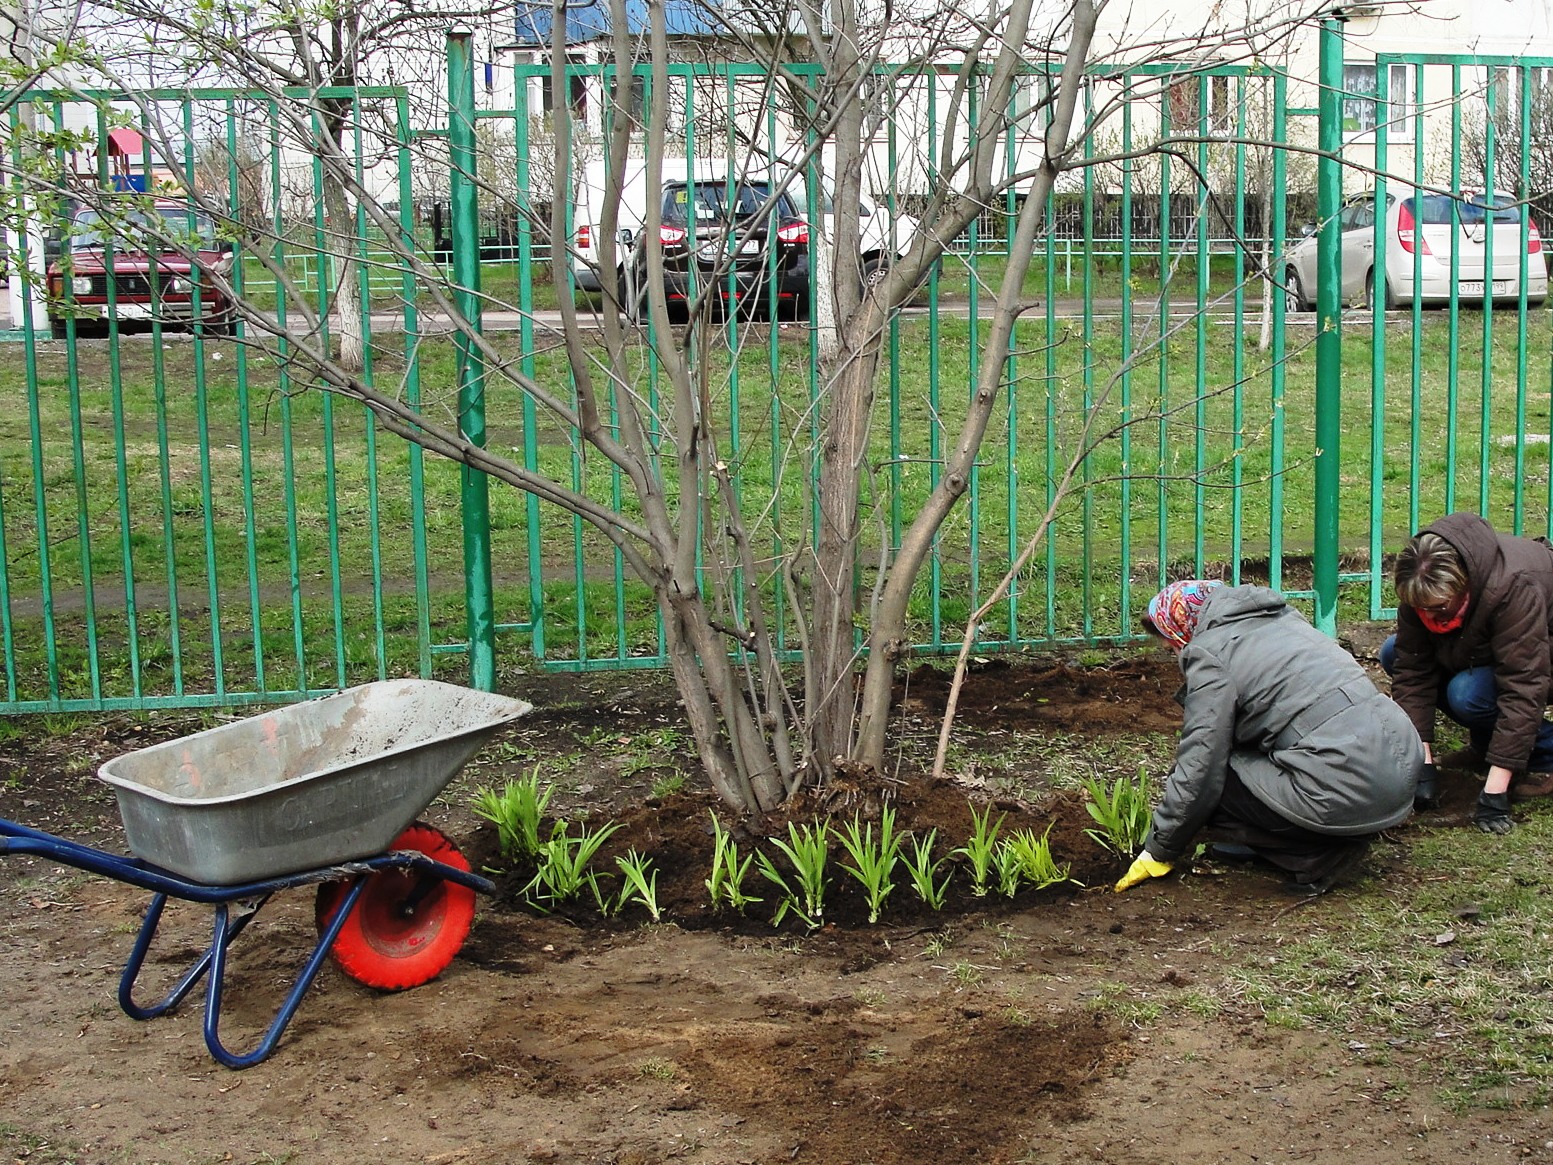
(1142, 869)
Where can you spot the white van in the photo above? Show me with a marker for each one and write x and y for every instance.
(705, 191)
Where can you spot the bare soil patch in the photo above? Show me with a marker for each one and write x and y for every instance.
(982, 1033)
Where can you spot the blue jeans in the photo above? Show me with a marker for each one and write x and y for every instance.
(1471, 699)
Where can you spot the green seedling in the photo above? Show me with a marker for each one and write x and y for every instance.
(1123, 814)
(641, 883)
(1025, 859)
(923, 868)
(807, 848)
(980, 849)
(726, 885)
(563, 865)
(666, 786)
(873, 860)
(517, 811)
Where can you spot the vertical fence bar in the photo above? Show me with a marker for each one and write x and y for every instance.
(1329, 323)
(1453, 366)
(285, 387)
(1486, 375)
(1203, 208)
(202, 428)
(1278, 381)
(412, 387)
(244, 428)
(1522, 276)
(1086, 111)
(934, 361)
(535, 546)
(368, 419)
(1125, 387)
(1238, 418)
(1162, 308)
(1378, 296)
(1416, 387)
(475, 486)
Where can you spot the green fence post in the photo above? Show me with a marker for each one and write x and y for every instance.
(475, 493)
(1329, 323)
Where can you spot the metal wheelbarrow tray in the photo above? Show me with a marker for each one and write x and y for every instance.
(312, 793)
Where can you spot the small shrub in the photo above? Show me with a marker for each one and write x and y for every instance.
(517, 811)
(980, 849)
(563, 865)
(726, 885)
(1123, 814)
(1024, 859)
(923, 868)
(641, 884)
(873, 860)
(807, 848)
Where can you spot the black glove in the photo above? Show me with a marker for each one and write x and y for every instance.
(1426, 795)
(1493, 813)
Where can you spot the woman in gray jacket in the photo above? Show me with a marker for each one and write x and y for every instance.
(1288, 752)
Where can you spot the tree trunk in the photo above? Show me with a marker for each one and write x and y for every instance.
(833, 640)
(340, 223)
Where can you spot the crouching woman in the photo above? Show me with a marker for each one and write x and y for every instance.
(1288, 753)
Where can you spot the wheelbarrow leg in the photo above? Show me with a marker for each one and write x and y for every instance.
(137, 957)
(217, 959)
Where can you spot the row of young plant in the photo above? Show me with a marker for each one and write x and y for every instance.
(878, 860)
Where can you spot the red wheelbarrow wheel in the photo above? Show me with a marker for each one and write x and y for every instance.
(406, 927)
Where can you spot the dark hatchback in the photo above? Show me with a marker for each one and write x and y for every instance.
(714, 234)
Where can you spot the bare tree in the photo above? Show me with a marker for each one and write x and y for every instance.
(762, 735)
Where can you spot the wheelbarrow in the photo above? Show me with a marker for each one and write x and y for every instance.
(322, 793)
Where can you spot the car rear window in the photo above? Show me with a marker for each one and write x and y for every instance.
(1473, 210)
(713, 198)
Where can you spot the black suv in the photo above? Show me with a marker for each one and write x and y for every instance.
(713, 234)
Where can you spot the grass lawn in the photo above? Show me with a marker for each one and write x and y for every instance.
(282, 517)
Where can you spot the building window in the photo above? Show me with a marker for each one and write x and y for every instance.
(1192, 99)
(1361, 106)
(1505, 87)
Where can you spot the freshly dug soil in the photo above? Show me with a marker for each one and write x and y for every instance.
(977, 1033)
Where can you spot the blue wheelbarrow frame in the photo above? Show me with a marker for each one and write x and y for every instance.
(235, 907)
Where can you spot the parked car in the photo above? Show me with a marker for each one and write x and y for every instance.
(1421, 232)
(786, 233)
(157, 255)
(716, 240)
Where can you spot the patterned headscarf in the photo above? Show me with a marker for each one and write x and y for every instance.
(1175, 609)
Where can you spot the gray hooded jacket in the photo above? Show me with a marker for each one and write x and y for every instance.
(1296, 718)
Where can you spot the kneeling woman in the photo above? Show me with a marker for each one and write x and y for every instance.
(1288, 752)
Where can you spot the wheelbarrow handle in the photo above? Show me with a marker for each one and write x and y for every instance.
(19, 839)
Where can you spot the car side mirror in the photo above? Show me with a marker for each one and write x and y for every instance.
(626, 237)
(1307, 229)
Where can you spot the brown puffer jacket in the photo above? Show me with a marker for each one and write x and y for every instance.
(1509, 625)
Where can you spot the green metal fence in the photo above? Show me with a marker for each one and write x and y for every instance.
(181, 523)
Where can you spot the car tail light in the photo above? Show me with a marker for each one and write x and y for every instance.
(793, 233)
(1533, 239)
(1407, 234)
(671, 236)
(584, 236)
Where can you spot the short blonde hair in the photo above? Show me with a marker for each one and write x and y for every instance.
(1429, 572)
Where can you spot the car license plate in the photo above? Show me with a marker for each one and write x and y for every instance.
(134, 311)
